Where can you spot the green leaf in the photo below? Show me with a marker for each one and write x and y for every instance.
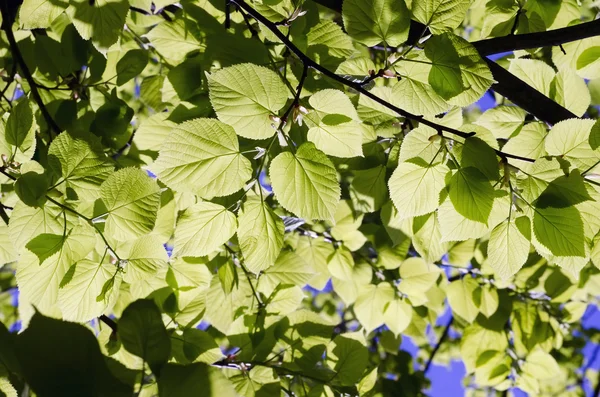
(334, 128)
(102, 21)
(202, 156)
(503, 121)
(20, 128)
(132, 199)
(579, 57)
(79, 165)
(560, 230)
(39, 14)
(27, 222)
(461, 298)
(290, 268)
(142, 332)
(348, 357)
(78, 299)
(471, 194)
(427, 238)
(177, 381)
(305, 183)
(131, 65)
(260, 233)
(570, 140)
(371, 303)
(341, 264)
(47, 260)
(174, 40)
(7, 249)
(202, 229)
(440, 15)
(478, 154)
(368, 190)
(536, 73)
(417, 276)
(31, 188)
(570, 90)
(245, 96)
(145, 257)
(415, 190)
(77, 363)
(486, 298)
(330, 35)
(397, 316)
(420, 143)
(508, 248)
(375, 21)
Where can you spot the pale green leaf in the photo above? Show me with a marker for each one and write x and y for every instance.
(536, 73)
(17, 136)
(508, 249)
(290, 268)
(305, 183)
(560, 230)
(375, 21)
(202, 156)
(78, 299)
(145, 257)
(132, 199)
(245, 96)
(461, 298)
(427, 238)
(397, 316)
(202, 229)
(570, 140)
(348, 357)
(78, 164)
(579, 57)
(440, 15)
(8, 253)
(39, 14)
(417, 276)
(330, 35)
(570, 90)
(503, 121)
(422, 143)
(260, 233)
(341, 264)
(415, 190)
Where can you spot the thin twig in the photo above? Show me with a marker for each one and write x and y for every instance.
(109, 321)
(438, 345)
(14, 48)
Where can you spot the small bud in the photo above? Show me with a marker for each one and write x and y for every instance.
(388, 74)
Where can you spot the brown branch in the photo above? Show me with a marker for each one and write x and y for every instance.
(309, 62)
(536, 40)
(108, 321)
(438, 345)
(525, 96)
(7, 22)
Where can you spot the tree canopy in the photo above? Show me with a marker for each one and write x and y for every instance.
(264, 198)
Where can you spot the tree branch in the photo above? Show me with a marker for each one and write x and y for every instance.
(536, 40)
(509, 86)
(438, 345)
(309, 62)
(108, 321)
(525, 96)
(7, 22)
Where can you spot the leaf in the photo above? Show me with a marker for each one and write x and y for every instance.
(77, 362)
(39, 14)
(579, 57)
(142, 332)
(570, 91)
(334, 128)
(503, 121)
(370, 304)
(368, 190)
(27, 222)
(534, 72)
(397, 316)
(415, 190)
(78, 165)
(102, 21)
(570, 140)
(202, 229)
(131, 65)
(461, 299)
(145, 257)
(330, 35)
(560, 230)
(260, 233)
(471, 194)
(440, 15)
(417, 276)
(31, 188)
(177, 381)
(508, 248)
(420, 143)
(289, 268)
(305, 183)
(78, 299)
(478, 154)
(132, 199)
(376, 21)
(245, 96)
(486, 298)
(19, 132)
(427, 238)
(348, 357)
(341, 264)
(174, 40)
(47, 260)
(7, 250)
(202, 156)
